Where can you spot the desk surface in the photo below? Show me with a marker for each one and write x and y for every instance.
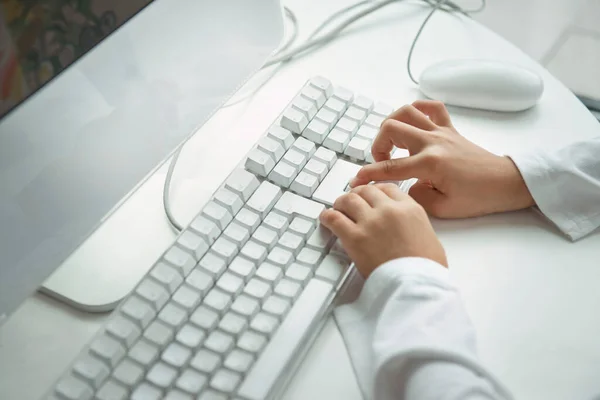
(530, 292)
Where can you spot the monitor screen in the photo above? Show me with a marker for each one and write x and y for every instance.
(40, 38)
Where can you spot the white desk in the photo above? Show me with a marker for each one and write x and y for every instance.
(533, 305)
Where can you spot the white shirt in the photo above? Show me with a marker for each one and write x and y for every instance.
(408, 334)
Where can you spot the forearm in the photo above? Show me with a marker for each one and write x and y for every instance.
(409, 337)
(566, 185)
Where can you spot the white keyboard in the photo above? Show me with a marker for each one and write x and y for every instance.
(229, 309)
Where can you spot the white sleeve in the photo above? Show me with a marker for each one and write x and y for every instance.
(410, 338)
(566, 185)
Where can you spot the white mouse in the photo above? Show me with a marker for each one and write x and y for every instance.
(482, 84)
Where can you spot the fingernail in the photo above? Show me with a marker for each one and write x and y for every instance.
(353, 182)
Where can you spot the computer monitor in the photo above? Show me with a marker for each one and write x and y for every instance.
(94, 96)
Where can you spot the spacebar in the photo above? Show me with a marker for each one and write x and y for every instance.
(283, 345)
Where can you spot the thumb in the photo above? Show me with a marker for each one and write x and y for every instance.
(397, 169)
(431, 199)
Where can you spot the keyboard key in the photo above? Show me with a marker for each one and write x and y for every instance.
(200, 280)
(128, 373)
(213, 265)
(145, 391)
(176, 355)
(271, 147)
(308, 257)
(265, 236)
(358, 148)
(72, 388)
(230, 200)
(205, 318)
(337, 248)
(343, 94)
(175, 394)
(159, 333)
(237, 234)
(254, 252)
(332, 267)
(374, 120)
(108, 350)
(193, 243)
(180, 259)
(233, 324)
(207, 229)
(321, 239)
(286, 341)
(248, 219)
(264, 323)
(153, 293)
(336, 105)
(305, 184)
(335, 182)
(363, 103)
(218, 214)
(242, 267)
(230, 283)
(243, 183)
(252, 342)
(225, 248)
(327, 116)
(245, 306)
(356, 114)
(281, 135)
(166, 276)
(304, 146)
(337, 140)
(305, 106)
(290, 204)
(264, 198)
(347, 125)
(293, 120)
(298, 272)
(187, 298)
(172, 315)
(218, 300)
(259, 162)
(219, 342)
(326, 156)
(212, 395)
(270, 273)
(316, 131)
(316, 168)
(367, 132)
(276, 306)
(315, 95)
(93, 371)
(276, 222)
(239, 361)
(225, 381)
(190, 336)
(191, 381)
(288, 288)
(112, 390)
(382, 109)
(161, 375)
(257, 289)
(138, 311)
(206, 361)
(295, 158)
(283, 174)
(280, 256)
(302, 227)
(123, 330)
(291, 242)
(322, 84)
(144, 353)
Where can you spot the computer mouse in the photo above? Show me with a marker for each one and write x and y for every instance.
(482, 84)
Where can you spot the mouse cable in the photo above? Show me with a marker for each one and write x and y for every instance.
(282, 56)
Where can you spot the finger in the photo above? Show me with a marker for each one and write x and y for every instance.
(353, 206)
(398, 169)
(395, 133)
(392, 191)
(372, 195)
(432, 200)
(410, 115)
(338, 223)
(436, 110)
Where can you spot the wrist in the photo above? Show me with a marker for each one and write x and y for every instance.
(516, 195)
